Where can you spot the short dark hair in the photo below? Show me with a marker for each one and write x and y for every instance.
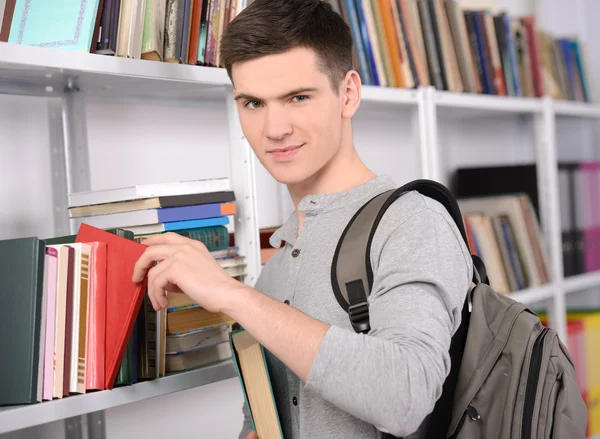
(268, 27)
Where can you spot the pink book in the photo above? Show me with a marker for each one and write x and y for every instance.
(591, 231)
(50, 320)
(96, 328)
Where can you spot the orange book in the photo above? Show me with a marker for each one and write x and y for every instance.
(123, 297)
(195, 32)
(387, 18)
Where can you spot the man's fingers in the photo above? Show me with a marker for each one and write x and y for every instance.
(153, 254)
(157, 283)
(165, 238)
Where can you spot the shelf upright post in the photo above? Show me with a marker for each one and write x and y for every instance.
(430, 158)
(58, 168)
(547, 181)
(243, 182)
(419, 132)
(75, 142)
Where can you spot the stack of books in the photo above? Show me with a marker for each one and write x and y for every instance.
(187, 336)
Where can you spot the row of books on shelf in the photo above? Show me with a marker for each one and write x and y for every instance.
(408, 43)
(80, 324)
(402, 43)
(509, 257)
(176, 31)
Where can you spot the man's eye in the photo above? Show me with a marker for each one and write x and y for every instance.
(252, 104)
(300, 98)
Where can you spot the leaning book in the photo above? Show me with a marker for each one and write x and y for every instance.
(251, 365)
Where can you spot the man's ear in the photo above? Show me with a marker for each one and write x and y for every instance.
(350, 89)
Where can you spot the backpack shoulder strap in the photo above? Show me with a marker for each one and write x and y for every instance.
(351, 270)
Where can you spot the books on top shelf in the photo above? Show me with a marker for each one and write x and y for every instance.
(401, 43)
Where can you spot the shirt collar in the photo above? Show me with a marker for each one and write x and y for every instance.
(319, 203)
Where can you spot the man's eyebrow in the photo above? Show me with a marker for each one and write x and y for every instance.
(294, 92)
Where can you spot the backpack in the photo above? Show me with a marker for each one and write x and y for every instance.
(510, 376)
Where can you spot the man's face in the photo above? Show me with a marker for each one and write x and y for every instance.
(289, 113)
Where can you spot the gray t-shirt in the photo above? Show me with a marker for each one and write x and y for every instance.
(390, 379)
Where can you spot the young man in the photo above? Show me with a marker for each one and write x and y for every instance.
(290, 62)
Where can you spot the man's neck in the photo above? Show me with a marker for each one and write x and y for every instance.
(340, 175)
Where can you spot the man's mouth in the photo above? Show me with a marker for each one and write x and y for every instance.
(286, 153)
(285, 149)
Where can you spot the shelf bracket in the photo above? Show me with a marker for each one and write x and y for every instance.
(430, 161)
(76, 156)
(58, 168)
(547, 176)
(86, 426)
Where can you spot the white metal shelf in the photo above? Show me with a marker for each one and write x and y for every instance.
(533, 295)
(389, 95)
(40, 71)
(19, 417)
(471, 101)
(580, 282)
(577, 109)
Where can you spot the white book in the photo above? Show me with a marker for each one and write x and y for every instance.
(79, 316)
(142, 191)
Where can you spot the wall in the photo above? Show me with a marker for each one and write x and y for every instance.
(137, 143)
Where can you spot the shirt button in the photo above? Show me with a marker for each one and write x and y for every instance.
(295, 252)
(295, 400)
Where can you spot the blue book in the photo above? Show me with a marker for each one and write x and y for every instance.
(192, 224)
(59, 24)
(200, 211)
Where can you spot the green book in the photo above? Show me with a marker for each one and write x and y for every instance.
(21, 291)
(252, 369)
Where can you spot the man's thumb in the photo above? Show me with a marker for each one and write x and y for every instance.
(252, 435)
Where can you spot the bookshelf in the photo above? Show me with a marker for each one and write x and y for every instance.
(73, 78)
(12, 419)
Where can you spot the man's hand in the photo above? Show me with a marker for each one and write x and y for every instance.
(184, 266)
(252, 435)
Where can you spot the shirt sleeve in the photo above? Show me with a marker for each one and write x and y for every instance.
(393, 376)
(247, 425)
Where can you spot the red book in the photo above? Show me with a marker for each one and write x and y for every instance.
(123, 297)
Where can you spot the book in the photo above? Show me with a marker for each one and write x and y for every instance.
(22, 274)
(251, 366)
(59, 24)
(151, 190)
(123, 297)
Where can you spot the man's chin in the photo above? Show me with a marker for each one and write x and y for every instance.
(288, 176)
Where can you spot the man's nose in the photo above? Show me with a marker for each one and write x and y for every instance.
(277, 124)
